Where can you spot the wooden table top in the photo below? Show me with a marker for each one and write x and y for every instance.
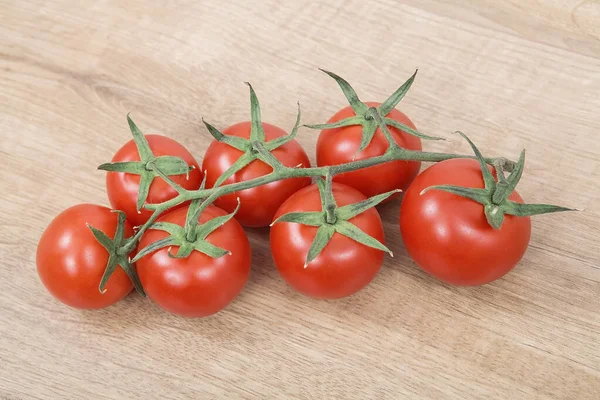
(512, 75)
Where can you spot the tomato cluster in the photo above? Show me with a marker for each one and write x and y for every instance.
(326, 237)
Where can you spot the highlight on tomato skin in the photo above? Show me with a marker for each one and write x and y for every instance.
(344, 266)
(449, 237)
(339, 146)
(258, 204)
(71, 262)
(197, 285)
(122, 188)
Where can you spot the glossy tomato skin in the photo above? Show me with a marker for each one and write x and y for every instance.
(196, 286)
(448, 235)
(259, 204)
(339, 145)
(71, 262)
(344, 266)
(122, 188)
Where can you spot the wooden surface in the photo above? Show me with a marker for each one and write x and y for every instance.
(512, 74)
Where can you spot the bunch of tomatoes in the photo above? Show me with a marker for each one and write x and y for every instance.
(446, 234)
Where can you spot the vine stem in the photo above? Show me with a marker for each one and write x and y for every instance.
(283, 172)
(329, 201)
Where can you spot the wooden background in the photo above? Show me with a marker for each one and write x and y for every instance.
(512, 74)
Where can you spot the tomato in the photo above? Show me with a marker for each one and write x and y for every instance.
(344, 266)
(259, 204)
(339, 146)
(122, 188)
(71, 262)
(199, 285)
(448, 235)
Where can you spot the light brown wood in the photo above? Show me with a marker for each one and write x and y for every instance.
(512, 74)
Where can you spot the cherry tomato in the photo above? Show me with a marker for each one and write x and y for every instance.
(122, 188)
(199, 285)
(71, 262)
(344, 266)
(448, 235)
(259, 204)
(339, 145)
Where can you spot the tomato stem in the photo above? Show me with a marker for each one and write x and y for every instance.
(328, 200)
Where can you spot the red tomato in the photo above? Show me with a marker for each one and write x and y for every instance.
(344, 266)
(448, 235)
(339, 145)
(71, 262)
(259, 204)
(199, 285)
(122, 188)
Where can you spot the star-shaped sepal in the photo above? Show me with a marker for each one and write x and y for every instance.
(494, 196)
(149, 166)
(117, 256)
(333, 219)
(364, 115)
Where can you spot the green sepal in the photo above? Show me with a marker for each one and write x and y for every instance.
(233, 141)
(171, 165)
(358, 106)
(315, 218)
(280, 141)
(149, 166)
(140, 140)
(338, 223)
(369, 128)
(237, 166)
(211, 250)
(409, 130)
(211, 225)
(323, 236)
(154, 246)
(144, 188)
(391, 102)
(488, 178)
(527, 210)
(257, 132)
(506, 186)
(352, 210)
(368, 121)
(130, 167)
(192, 236)
(338, 124)
(494, 215)
(256, 147)
(115, 258)
(494, 197)
(479, 195)
(353, 232)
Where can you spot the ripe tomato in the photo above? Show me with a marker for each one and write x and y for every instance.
(448, 235)
(339, 145)
(71, 262)
(122, 188)
(199, 285)
(259, 204)
(344, 266)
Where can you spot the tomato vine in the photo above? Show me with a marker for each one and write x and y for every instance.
(330, 220)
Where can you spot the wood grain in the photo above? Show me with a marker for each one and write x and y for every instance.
(512, 74)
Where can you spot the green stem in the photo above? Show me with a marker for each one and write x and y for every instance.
(132, 241)
(328, 200)
(396, 154)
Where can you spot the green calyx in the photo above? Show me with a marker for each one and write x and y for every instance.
(333, 219)
(149, 166)
(494, 197)
(255, 148)
(192, 236)
(116, 256)
(364, 114)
